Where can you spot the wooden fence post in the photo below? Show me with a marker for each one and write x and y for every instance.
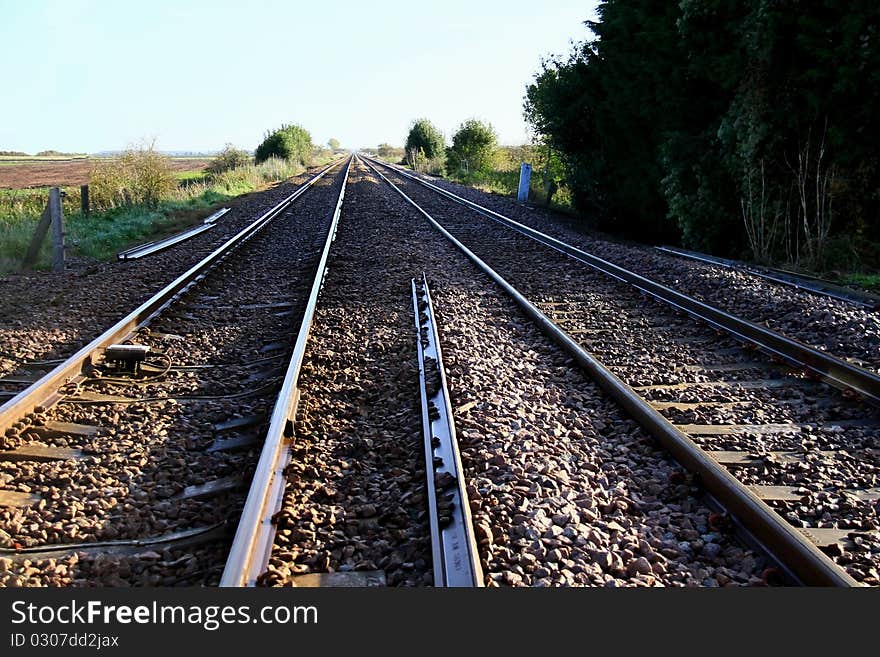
(57, 229)
(84, 199)
(37, 240)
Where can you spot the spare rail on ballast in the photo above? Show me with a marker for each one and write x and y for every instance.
(252, 545)
(812, 284)
(806, 562)
(835, 371)
(44, 392)
(155, 246)
(456, 562)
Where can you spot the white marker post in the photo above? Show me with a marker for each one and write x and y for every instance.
(525, 176)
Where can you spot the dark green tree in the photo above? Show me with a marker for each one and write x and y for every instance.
(472, 146)
(289, 142)
(425, 138)
(735, 125)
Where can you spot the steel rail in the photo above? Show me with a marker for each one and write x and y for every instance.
(252, 545)
(834, 370)
(148, 248)
(44, 390)
(809, 564)
(811, 284)
(456, 561)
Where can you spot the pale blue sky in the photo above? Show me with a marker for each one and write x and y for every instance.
(91, 75)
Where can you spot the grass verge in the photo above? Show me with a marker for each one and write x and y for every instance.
(102, 234)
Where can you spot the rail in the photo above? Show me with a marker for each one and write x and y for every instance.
(453, 545)
(834, 370)
(809, 564)
(43, 392)
(252, 545)
(812, 284)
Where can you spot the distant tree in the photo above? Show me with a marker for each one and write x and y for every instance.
(333, 143)
(54, 153)
(424, 137)
(389, 152)
(289, 142)
(229, 158)
(472, 146)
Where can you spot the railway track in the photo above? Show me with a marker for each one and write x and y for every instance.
(354, 510)
(127, 463)
(851, 332)
(796, 280)
(717, 407)
(369, 498)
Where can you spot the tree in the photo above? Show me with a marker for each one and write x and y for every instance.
(229, 158)
(333, 143)
(289, 142)
(706, 121)
(425, 138)
(472, 146)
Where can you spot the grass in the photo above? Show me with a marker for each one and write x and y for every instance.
(506, 183)
(870, 282)
(191, 176)
(102, 234)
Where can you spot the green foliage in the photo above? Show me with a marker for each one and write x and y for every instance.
(141, 176)
(333, 143)
(104, 232)
(735, 126)
(390, 153)
(13, 154)
(425, 139)
(501, 175)
(289, 142)
(472, 147)
(229, 158)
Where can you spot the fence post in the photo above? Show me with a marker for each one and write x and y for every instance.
(57, 218)
(33, 251)
(84, 199)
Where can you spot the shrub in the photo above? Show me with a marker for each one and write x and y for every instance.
(472, 147)
(229, 158)
(289, 142)
(424, 137)
(141, 176)
(389, 152)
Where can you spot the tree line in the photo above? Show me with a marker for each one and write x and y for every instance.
(731, 126)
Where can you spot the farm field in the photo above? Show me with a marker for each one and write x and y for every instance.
(22, 173)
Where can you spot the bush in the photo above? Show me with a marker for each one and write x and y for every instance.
(389, 152)
(229, 158)
(424, 137)
(472, 147)
(141, 176)
(290, 142)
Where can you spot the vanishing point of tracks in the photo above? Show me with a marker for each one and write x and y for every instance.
(409, 406)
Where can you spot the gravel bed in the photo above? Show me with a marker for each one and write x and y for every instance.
(74, 306)
(225, 356)
(825, 323)
(647, 344)
(564, 489)
(355, 495)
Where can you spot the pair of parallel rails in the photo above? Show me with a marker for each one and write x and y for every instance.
(456, 562)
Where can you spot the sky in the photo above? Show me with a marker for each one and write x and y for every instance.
(93, 75)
